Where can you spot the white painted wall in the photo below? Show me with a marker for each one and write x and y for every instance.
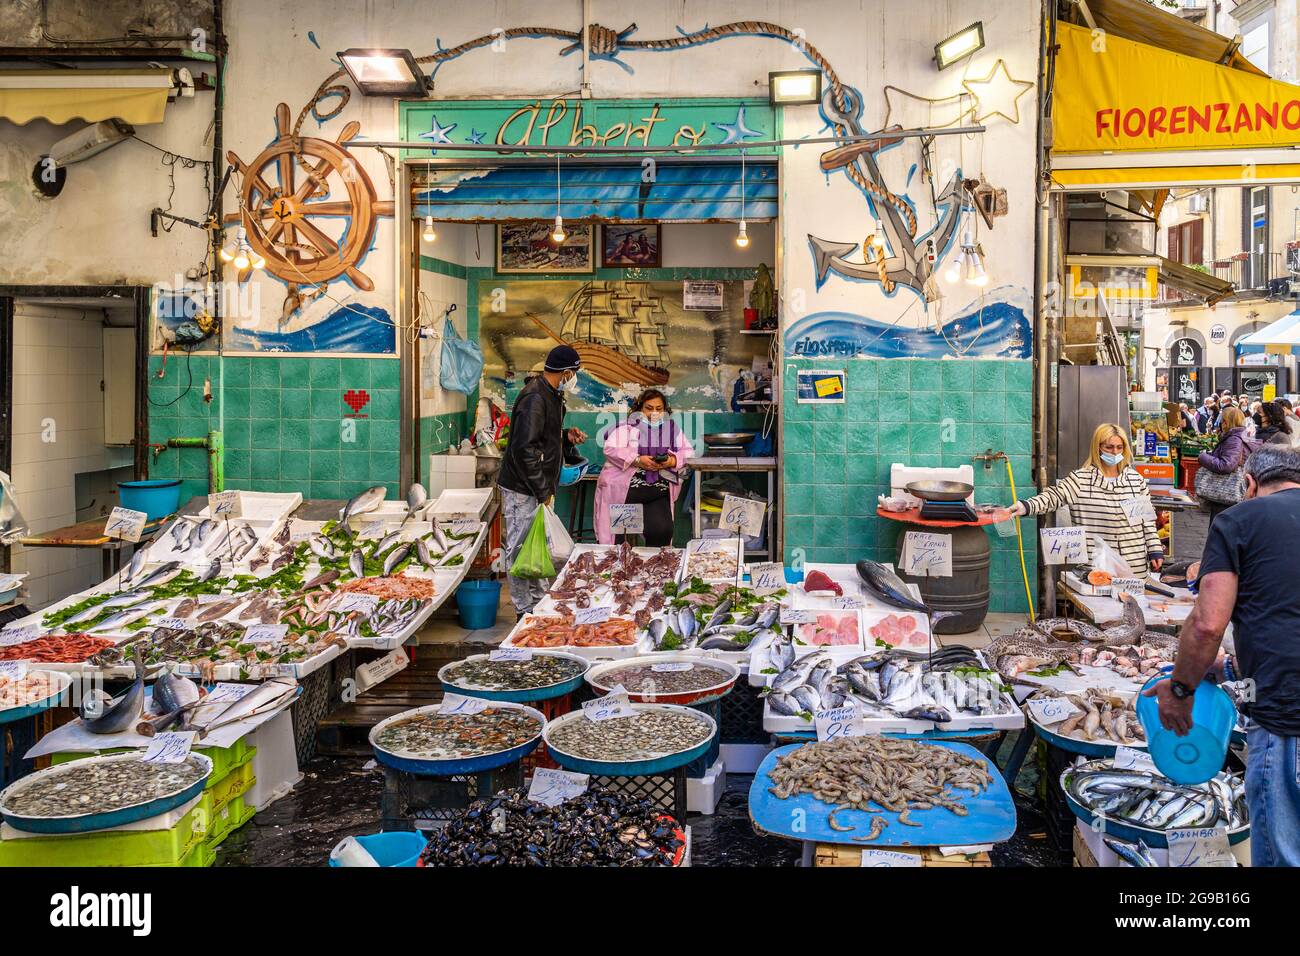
(58, 434)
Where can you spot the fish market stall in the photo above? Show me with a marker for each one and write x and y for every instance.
(1102, 607)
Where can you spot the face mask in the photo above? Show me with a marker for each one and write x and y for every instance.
(654, 418)
(570, 384)
(1110, 459)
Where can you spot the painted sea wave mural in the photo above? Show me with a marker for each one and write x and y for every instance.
(351, 328)
(994, 326)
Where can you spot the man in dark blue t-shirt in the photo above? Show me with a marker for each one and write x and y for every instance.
(1248, 575)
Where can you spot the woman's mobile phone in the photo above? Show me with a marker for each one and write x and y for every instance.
(660, 459)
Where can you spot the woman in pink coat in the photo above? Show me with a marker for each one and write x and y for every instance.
(643, 460)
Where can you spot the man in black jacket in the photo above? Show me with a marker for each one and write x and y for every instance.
(530, 469)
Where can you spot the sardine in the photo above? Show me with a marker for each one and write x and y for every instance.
(124, 712)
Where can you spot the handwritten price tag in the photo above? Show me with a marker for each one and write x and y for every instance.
(265, 633)
(671, 667)
(1199, 846)
(743, 515)
(627, 519)
(790, 615)
(1130, 758)
(125, 524)
(19, 635)
(551, 788)
(463, 527)
(1064, 545)
(767, 577)
(872, 856)
(226, 504)
(847, 603)
(614, 704)
(13, 670)
(1051, 710)
(459, 704)
(228, 693)
(597, 614)
(1139, 509)
(365, 603)
(839, 722)
(511, 654)
(927, 554)
(371, 529)
(175, 623)
(1134, 586)
(170, 747)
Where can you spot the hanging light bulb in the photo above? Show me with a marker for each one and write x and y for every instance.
(228, 253)
(241, 258)
(953, 272)
(558, 235)
(742, 236)
(255, 260)
(429, 234)
(975, 274)
(876, 239)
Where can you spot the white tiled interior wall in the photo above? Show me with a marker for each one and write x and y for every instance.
(438, 292)
(58, 367)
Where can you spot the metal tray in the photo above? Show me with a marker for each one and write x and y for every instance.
(936, 490)
(518, 696)
(62, 678)
(446, 767)
(102, 820)
(631, 768)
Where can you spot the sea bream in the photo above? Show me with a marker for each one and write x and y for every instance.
(367, 501)
(123, 713)
(173, 699)
(416, 498)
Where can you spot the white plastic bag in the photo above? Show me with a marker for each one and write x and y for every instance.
(557, 537)
(1105, 558)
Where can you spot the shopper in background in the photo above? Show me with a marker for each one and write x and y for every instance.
(1187, 419)
(643, 458)
(1207, 415)
(1247, 576)
(1096, 494)
(1271, 426)
(1291, 420)
(1243, 403)
(534, 455)
(1250, 422)
(1221, 481)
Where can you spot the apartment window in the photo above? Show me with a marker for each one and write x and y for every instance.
(1186, 242)
(1254, 234)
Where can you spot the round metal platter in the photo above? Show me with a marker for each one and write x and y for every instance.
(939, 490)
(629, 768)
(701, 696)
(549, 691)
(1086, 748)
(98, 820)
(63, 681)
(448, 766)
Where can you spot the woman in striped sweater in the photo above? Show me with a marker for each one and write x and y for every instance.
(1096, 494)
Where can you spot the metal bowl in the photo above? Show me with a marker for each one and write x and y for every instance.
(939, 490)
(728, 439)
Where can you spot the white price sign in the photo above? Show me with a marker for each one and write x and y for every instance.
(464, 527)
(125, 524)
(170, 747)
(1134, 586)
(1139, 509)
(1130, 758)
(614, 704)
(365, 603)
(510, 654)
(671, 667)
(847, 603)
(790, 615)
(226, 504)
(1051, 710)
(927, 554)
(19, 635)
(13, 670)
(1064, 545)
(551, 788)
(1200, 846)
(175, 623)
(228, 693)
(597, 614)
(767, 577)
(460, 704)
(265, 633)
(743, 515)
(872, 856)
(371, 529)
(839, 722)
(626, 519)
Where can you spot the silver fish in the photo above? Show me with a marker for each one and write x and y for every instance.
(321, 546)
(179, 531)
(212, 570)
(117, 600)
(367, 501)
(174, 696)
(386, 542)
(888, 586)
(122, 618)
(124, 712)
(686, 622)
(269, 695)
(440, 539)
(395, 557)
(136, 565)
(416, 498)
(357, 564)
(422, 553)
(160, 575)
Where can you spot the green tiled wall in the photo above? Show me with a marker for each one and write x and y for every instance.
(919, 411)
(284, 425)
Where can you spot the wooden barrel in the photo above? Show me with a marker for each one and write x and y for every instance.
(967, 591)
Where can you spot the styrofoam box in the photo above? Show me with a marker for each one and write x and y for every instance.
(728, 544)
(275, 765)
(873, 616)
(461, 502)
(602, 595)
(268, 506)
(703, 794)
(744, 758)
(451, 471)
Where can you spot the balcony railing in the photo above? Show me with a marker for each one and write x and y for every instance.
(1251, 270)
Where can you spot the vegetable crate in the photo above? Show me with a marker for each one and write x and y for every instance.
(665, 790)
(831, 854)
(412, 802)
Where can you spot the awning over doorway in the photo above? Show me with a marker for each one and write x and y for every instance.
(1140, 115)
(1280, 336)
(138, 97)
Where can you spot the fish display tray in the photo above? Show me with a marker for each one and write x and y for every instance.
(704, 695)
(547, 604)
(175, 838)
(163, 548)
(452, 766)
(1123, 829)
(874, 616)
(548, 692)
(991, 817)
(694, 546)
(631, 768)
(100, 820)
(602, 652)
(1076, 745)
(62, 681)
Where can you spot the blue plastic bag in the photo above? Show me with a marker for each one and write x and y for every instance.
(462, 361)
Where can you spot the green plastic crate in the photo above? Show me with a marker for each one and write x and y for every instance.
(111, 847)
(224, 759)
(227, 820)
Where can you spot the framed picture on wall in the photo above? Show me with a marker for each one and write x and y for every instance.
(527, 247)
(630, 245)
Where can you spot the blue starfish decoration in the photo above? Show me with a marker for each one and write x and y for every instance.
(476, 137)
(737, 132)
(438, 134)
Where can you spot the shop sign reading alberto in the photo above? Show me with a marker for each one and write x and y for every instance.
(575, 122)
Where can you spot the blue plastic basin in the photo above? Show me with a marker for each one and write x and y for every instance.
(1200, 755)
(156, 497)
(392, 849)
(573, 471)
(477, 602)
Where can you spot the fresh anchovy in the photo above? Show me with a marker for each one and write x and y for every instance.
(126, 710)
(395, 557)
(357, 564)
(160, 575)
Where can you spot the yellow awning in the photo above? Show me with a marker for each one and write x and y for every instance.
(1153, 177)
(138, 96)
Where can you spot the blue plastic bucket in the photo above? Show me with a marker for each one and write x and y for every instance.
(156, 497)
(1198, 756)
(398, 848)
(477, 602)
